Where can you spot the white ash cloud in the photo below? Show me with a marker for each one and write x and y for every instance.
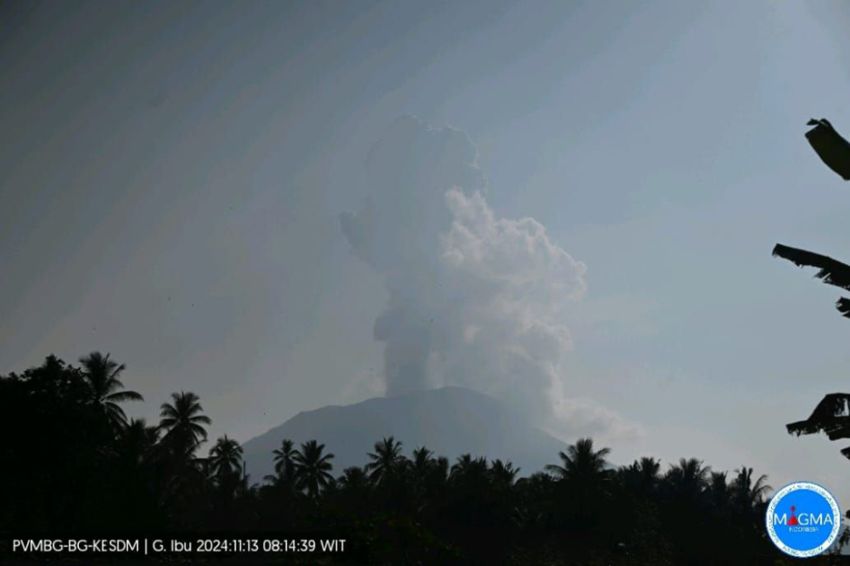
(474, 299)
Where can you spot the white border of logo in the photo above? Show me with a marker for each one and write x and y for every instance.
(833, 504)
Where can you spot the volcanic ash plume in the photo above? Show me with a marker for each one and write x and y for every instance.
(474, 300)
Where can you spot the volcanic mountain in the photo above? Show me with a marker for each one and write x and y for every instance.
(449, 421)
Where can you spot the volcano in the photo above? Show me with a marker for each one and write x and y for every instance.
(449, 421)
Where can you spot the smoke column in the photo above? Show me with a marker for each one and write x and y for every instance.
(474, 300)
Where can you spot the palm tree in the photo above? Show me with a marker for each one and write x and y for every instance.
(503, 473)
(749, 494)
(422, 468)
(104, 388)
(687, 480)
(312, 468)
(581, 463)
(583, 482)
(183, 421)
(428, 474)
(354, 483)
(354, 478)
(225, 457)
(642, 475)
(137, 440)
(387, 459)
(469, 472)
(718, 490)
(354, 492)
(422, 461)
(284, 462)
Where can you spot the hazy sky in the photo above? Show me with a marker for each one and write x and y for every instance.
(172, 174)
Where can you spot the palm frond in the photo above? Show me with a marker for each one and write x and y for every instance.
(831, 271)
(831, 416)
(833, 149)
(122, 396)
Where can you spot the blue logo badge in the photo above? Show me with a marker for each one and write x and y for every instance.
(803, 519)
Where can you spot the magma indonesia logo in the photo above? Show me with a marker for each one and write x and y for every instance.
(803, 519)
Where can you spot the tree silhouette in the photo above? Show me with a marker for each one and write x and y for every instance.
(354, 492)
(397, 511)
(428, 477)
(313, 468)
(104, 387)
(583, 480)
(284, 463)
(717, 490)
(687, 480)
(386, 460)
(749, 494)
(642, 475)
(421, 463)
(831, 271)
(354, 478)
(137, 441)
(183, 422)
(832, 414)
(468, 470)
(503, 473)
(581, 463)
(225, 457)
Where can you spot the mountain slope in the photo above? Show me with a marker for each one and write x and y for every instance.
(449, 421)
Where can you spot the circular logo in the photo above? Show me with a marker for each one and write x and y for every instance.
(803, 519)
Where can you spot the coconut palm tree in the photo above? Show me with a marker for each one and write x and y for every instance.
(583, 483)
(284, 463)
(354, 478)
(183, 422)
(428, 474)
(503, 473)
(386, 460)
(313, 468)
(105, 388)
(354, 492)
(354, 483)
(468, 466)
(749, 494)
(469, 472)
(718, 491)
(642, 475)
(421, 468)
(687, 479)
(225, 457)
(582, 464)
(137, 441)
(422, 461)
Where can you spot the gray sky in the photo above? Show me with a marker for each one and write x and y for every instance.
(171, 176)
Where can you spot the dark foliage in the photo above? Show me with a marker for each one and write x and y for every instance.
(832, 414)
(831, 271)
(833, 149)
(71, 461)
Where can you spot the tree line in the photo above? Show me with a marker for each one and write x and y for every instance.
(71, 459)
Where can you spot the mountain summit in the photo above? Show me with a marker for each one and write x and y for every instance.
(449, 421)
